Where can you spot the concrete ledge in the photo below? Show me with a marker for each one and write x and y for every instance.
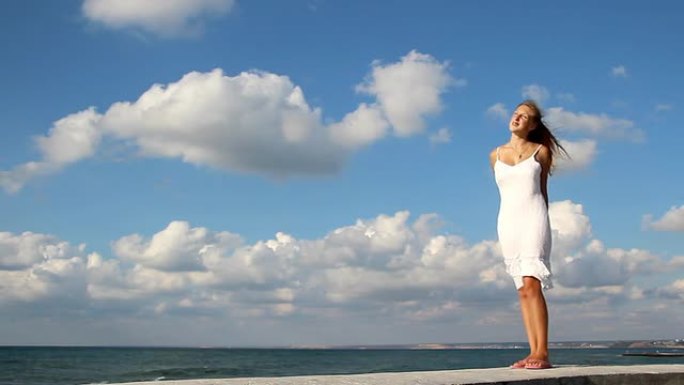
(567, 375)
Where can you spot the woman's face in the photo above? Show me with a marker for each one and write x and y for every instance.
(522, 121)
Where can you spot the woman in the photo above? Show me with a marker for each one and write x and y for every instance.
(521, 168)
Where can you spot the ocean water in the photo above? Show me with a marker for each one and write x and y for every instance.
(100, 365)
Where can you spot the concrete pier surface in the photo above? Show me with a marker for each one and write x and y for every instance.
(565, 375)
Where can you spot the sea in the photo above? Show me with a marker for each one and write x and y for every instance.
(103, 365)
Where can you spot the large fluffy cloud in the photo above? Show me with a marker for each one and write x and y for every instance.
(254, 122)
(389, 264)
(583, 261)
(160, 17)
(409, 90)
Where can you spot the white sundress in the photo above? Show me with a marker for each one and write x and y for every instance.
(523, 222)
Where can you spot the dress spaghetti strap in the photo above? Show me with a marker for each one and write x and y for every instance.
(537, 150)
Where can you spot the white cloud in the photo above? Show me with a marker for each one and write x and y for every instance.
(619, 71)
(582, 153)
(672, 220)
(571, 227)
(38, 267)
(600, 125)
(677, 262)
(160, 17)
(28, 249)
(14, 180)
(409, 91)
(387, 266)
(70, 139)
(443, 135)
(579, 260)
(176, 248)
(389, 263)
(535, 92)
(673, 291)
(614, 267)
(663, 107)
(365, 125)
(498, 111)
(255, 122)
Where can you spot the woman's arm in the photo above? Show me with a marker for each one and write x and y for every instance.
(492, 158)
(544, 159)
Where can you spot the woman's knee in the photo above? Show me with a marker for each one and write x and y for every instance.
(531, 288)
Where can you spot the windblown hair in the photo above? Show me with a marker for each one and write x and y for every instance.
(542, 134)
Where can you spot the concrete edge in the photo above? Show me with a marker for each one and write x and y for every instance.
(671, 374)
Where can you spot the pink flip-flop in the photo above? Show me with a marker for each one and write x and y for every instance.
(519, 364)
(537, 364)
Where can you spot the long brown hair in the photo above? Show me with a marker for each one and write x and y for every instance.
(541, 134)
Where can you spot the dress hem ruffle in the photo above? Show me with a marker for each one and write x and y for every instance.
(523, 266)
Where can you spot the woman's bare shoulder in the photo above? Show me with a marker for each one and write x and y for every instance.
(544, 151)
(493, 156)
(544, 155)
(493, 152)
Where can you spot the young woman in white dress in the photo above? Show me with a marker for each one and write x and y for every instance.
(521, 169)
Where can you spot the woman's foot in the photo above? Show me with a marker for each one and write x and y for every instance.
(519, 364)
(536, 364)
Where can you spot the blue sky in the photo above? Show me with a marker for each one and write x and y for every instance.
(321, 167)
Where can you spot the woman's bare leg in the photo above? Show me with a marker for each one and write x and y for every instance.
(535, 317)
(527, 321)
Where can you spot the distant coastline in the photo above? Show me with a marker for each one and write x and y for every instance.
(598, 344)
(609, 344)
